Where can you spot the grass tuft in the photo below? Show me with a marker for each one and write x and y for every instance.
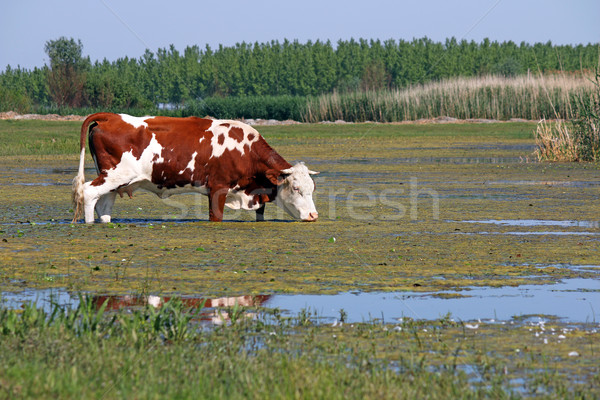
(577, 139)
(556, 142)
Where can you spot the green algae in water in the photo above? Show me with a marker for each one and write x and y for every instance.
(366, 211)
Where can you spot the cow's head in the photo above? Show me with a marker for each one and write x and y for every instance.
(295, 188)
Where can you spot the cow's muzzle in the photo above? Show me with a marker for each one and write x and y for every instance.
(312, 216)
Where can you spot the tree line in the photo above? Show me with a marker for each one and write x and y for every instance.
(288, 68)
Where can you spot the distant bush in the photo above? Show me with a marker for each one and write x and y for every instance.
(264, 107)
(14, 100)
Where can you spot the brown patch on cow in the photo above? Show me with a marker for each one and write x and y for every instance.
(109, 148)
(250, 136)
(236, 133)
(221, 139)
(203, 124)
(226, 125)
(99, 180)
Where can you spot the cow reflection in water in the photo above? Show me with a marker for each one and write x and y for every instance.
(211, 314)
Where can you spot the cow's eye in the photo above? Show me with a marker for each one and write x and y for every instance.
(296, 189)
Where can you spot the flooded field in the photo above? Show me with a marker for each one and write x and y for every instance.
(434, 217)
(439, 248)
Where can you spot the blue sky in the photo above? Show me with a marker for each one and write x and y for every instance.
(112, 28)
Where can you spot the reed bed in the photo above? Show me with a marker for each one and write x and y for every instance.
(556, 142)
(485, 97)
(577, 139)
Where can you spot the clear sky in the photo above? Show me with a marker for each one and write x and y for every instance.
(112, 28)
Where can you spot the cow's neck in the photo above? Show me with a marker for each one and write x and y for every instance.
(275, 161)
(270, 158)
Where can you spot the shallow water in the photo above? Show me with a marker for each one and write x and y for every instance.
(572, 300)
(547, 183)
(537, 222)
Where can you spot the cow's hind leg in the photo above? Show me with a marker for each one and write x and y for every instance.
(104, 206)
(92, 192)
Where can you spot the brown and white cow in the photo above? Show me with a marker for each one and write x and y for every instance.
(228, 161)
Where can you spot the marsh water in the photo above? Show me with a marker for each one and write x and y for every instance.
(570, 301)
(417, 228)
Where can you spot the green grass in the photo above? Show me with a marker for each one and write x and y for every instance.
(149, 353)
(513, 130)
(34, 137)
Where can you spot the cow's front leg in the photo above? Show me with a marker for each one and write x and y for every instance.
(216, 203)
(260, 214)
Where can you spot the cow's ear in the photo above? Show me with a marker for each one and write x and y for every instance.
(274, 176)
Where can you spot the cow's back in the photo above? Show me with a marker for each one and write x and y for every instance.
(175, 152)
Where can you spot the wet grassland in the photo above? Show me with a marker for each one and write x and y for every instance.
(440, 210)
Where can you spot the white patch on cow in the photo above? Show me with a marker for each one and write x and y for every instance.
(230, 143)
(136, 122)
(237, 199)
(191, 164)
(131, 170)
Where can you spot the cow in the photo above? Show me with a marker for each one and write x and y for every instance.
(226, 160)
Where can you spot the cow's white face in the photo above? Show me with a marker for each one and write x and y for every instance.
(295, 193)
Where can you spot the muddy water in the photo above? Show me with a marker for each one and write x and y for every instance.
(442, 217)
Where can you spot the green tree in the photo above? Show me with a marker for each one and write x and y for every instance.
(66, 77)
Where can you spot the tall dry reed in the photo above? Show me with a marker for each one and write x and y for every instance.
(579, 138)
(486, 97)
(556, 142)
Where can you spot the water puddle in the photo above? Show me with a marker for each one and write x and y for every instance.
(44, 298)
(535, 222)
(69, 170)
(574, 268)
(546, 183)
(531, 223)
(573, 300)
(37, 184)
(534, 233)
(431, 160)
(211, 307)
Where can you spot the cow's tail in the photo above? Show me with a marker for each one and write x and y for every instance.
(79, 180)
